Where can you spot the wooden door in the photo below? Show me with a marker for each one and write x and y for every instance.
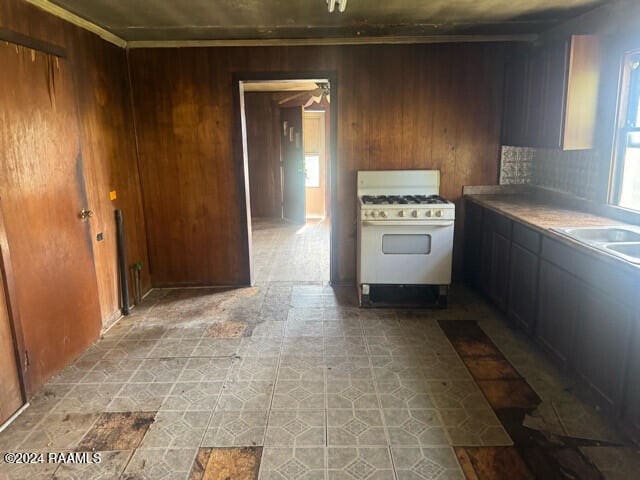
(10, 391)
(314, 163)
(43, 192)
(293, 165)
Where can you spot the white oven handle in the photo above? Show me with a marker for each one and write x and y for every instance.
(417, 223)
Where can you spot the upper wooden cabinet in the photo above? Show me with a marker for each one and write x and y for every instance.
(551, 95)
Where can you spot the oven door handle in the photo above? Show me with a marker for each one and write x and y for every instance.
(417, 223)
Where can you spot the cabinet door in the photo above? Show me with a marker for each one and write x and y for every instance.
(499, 278)
(473, 242)
(516, 98)
(553, 99)
(631, 404)
(535, 85)
(583, 80)
(485, 257)
(523, 287)
(556, 311)
(547, 79)
(601, 344)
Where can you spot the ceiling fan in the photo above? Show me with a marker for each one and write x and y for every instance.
(315, 96)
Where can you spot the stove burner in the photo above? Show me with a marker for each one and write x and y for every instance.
(402, 199)
(374, 199)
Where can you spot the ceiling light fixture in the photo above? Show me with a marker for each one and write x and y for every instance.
(342, 5)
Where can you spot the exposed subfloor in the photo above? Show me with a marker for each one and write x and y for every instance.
(285, 252)
(295, 382)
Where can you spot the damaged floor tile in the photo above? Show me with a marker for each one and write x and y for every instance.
(226, 329)
(492, 463)
(236, 463)
(117, 431)
(511, 393)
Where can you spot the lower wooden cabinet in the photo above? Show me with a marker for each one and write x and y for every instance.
(557, 310)
(581, 309)
(486, 248)
(523, 287)
(601, 343)
(499, 272)
(473, 242)
(630, 418)
(494, 245)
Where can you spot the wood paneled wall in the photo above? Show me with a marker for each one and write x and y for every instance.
(263, 150)
(107, 138)
(399, 107)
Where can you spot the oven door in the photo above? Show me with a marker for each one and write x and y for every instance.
(410, 253)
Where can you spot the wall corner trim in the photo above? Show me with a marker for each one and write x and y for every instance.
(78, 21)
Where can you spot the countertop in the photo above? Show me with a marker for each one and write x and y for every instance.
(544, 215)
(540, 214)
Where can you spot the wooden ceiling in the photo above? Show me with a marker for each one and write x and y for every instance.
(163, 20)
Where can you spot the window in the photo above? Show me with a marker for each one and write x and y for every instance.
(628, 163)
(312, 170)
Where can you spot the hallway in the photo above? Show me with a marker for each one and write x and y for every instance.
(283, 252)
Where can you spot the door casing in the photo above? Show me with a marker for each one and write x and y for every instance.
(242, 161)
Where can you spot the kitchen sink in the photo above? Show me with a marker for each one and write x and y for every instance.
(629, 251)
(622, 242)
(602, 234)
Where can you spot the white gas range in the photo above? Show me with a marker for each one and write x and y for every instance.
(405, 231)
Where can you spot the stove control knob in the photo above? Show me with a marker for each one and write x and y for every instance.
(383, 214)
(401, 213)
(414, 214)
(373, 214)
(439, 213)
(428, 213)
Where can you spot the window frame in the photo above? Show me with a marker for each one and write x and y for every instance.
(622, 127)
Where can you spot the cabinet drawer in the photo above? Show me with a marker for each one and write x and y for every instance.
(526, 237)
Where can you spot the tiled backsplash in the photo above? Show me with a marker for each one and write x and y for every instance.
(577, 172)
(516, 165)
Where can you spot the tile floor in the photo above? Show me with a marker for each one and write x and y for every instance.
(290, 380)
(290, 253)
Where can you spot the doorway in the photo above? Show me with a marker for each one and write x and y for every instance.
(315, 164)
(286, 126)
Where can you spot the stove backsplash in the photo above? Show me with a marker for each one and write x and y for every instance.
(575, 172)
